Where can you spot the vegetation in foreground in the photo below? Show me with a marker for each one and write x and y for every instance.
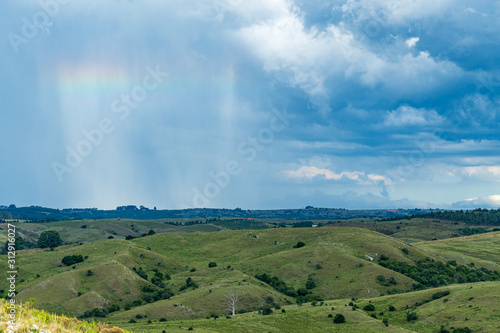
(30, 319)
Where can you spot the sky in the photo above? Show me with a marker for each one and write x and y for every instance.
(262, 104)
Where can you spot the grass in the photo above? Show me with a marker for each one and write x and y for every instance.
(338, 259)
(29, 319)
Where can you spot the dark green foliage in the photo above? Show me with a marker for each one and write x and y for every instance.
(462, 330)
(212, 264)
(385, 321)
(141, 273)
(369, 307)
(49, 239)
(330, 315)
(411, 316)
(383, 257)
(71, 260)
(95, 313)
(163, 319)
(440, 294)
(392, 308)
(132, 321)
(430, 273)
(277, 284)
(303, 224)
(111, 237)
(405, 251)
(151, 232)
(339, 319)
(299, 245)
(442, 329)
(373, 315)
(267, 311)
(83, 226)
(310, 284)
(129, 237)
(189, 283)
(113, 308)
(472, 217)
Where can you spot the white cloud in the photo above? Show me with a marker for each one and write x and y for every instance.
(310, 172)
(411, 42)
(409, 116)
(492, 201)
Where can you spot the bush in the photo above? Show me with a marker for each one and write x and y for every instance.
(462, 330)
(339, 319)
(310, 284)
(405, 251)
(299, 245)
(369, 307)
(440, 294)
(71, 260)
(132, 321)
(411, 316)
(385, 321)
(267, 311)
(330, 315)
(163, 319)
(392, 308)
(49, 239)
(212, 264)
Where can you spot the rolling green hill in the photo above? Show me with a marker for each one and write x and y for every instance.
(185, 276)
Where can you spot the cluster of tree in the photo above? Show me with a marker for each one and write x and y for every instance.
(100, 312)
(303, 295)
(473, 217)
(430, 273)
(71, 260)
(153, 294)
(189, 284)
(277, 284)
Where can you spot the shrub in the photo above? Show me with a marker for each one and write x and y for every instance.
(462, 330)
(339, 319)
(411, 316)
(405, 251)
(83, 226)
(132, 321)
(212, 264)
(71, 260)
(163, 319)
(385, 321)
(440, 294)
(299, 245)
(110, 237)
(330, 315)
(392, 308)
(89, 273)
(267, 311)
(129, 237)
(310, 284)
(369, 307)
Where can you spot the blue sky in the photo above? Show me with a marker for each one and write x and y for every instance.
(251, 104)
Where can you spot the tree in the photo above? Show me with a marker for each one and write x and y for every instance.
(267, 311)
(299, 245)
(212, 264)
(232, 302)
(50, 239)
(339, 319)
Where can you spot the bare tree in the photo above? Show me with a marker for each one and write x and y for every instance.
(231, 302)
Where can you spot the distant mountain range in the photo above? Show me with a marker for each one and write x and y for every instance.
(143, 213)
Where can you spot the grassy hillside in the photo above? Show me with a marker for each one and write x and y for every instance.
(185, 276)
(29, 319)
(483, 249)
(336, 259)
(414, 229)
(470, 305)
